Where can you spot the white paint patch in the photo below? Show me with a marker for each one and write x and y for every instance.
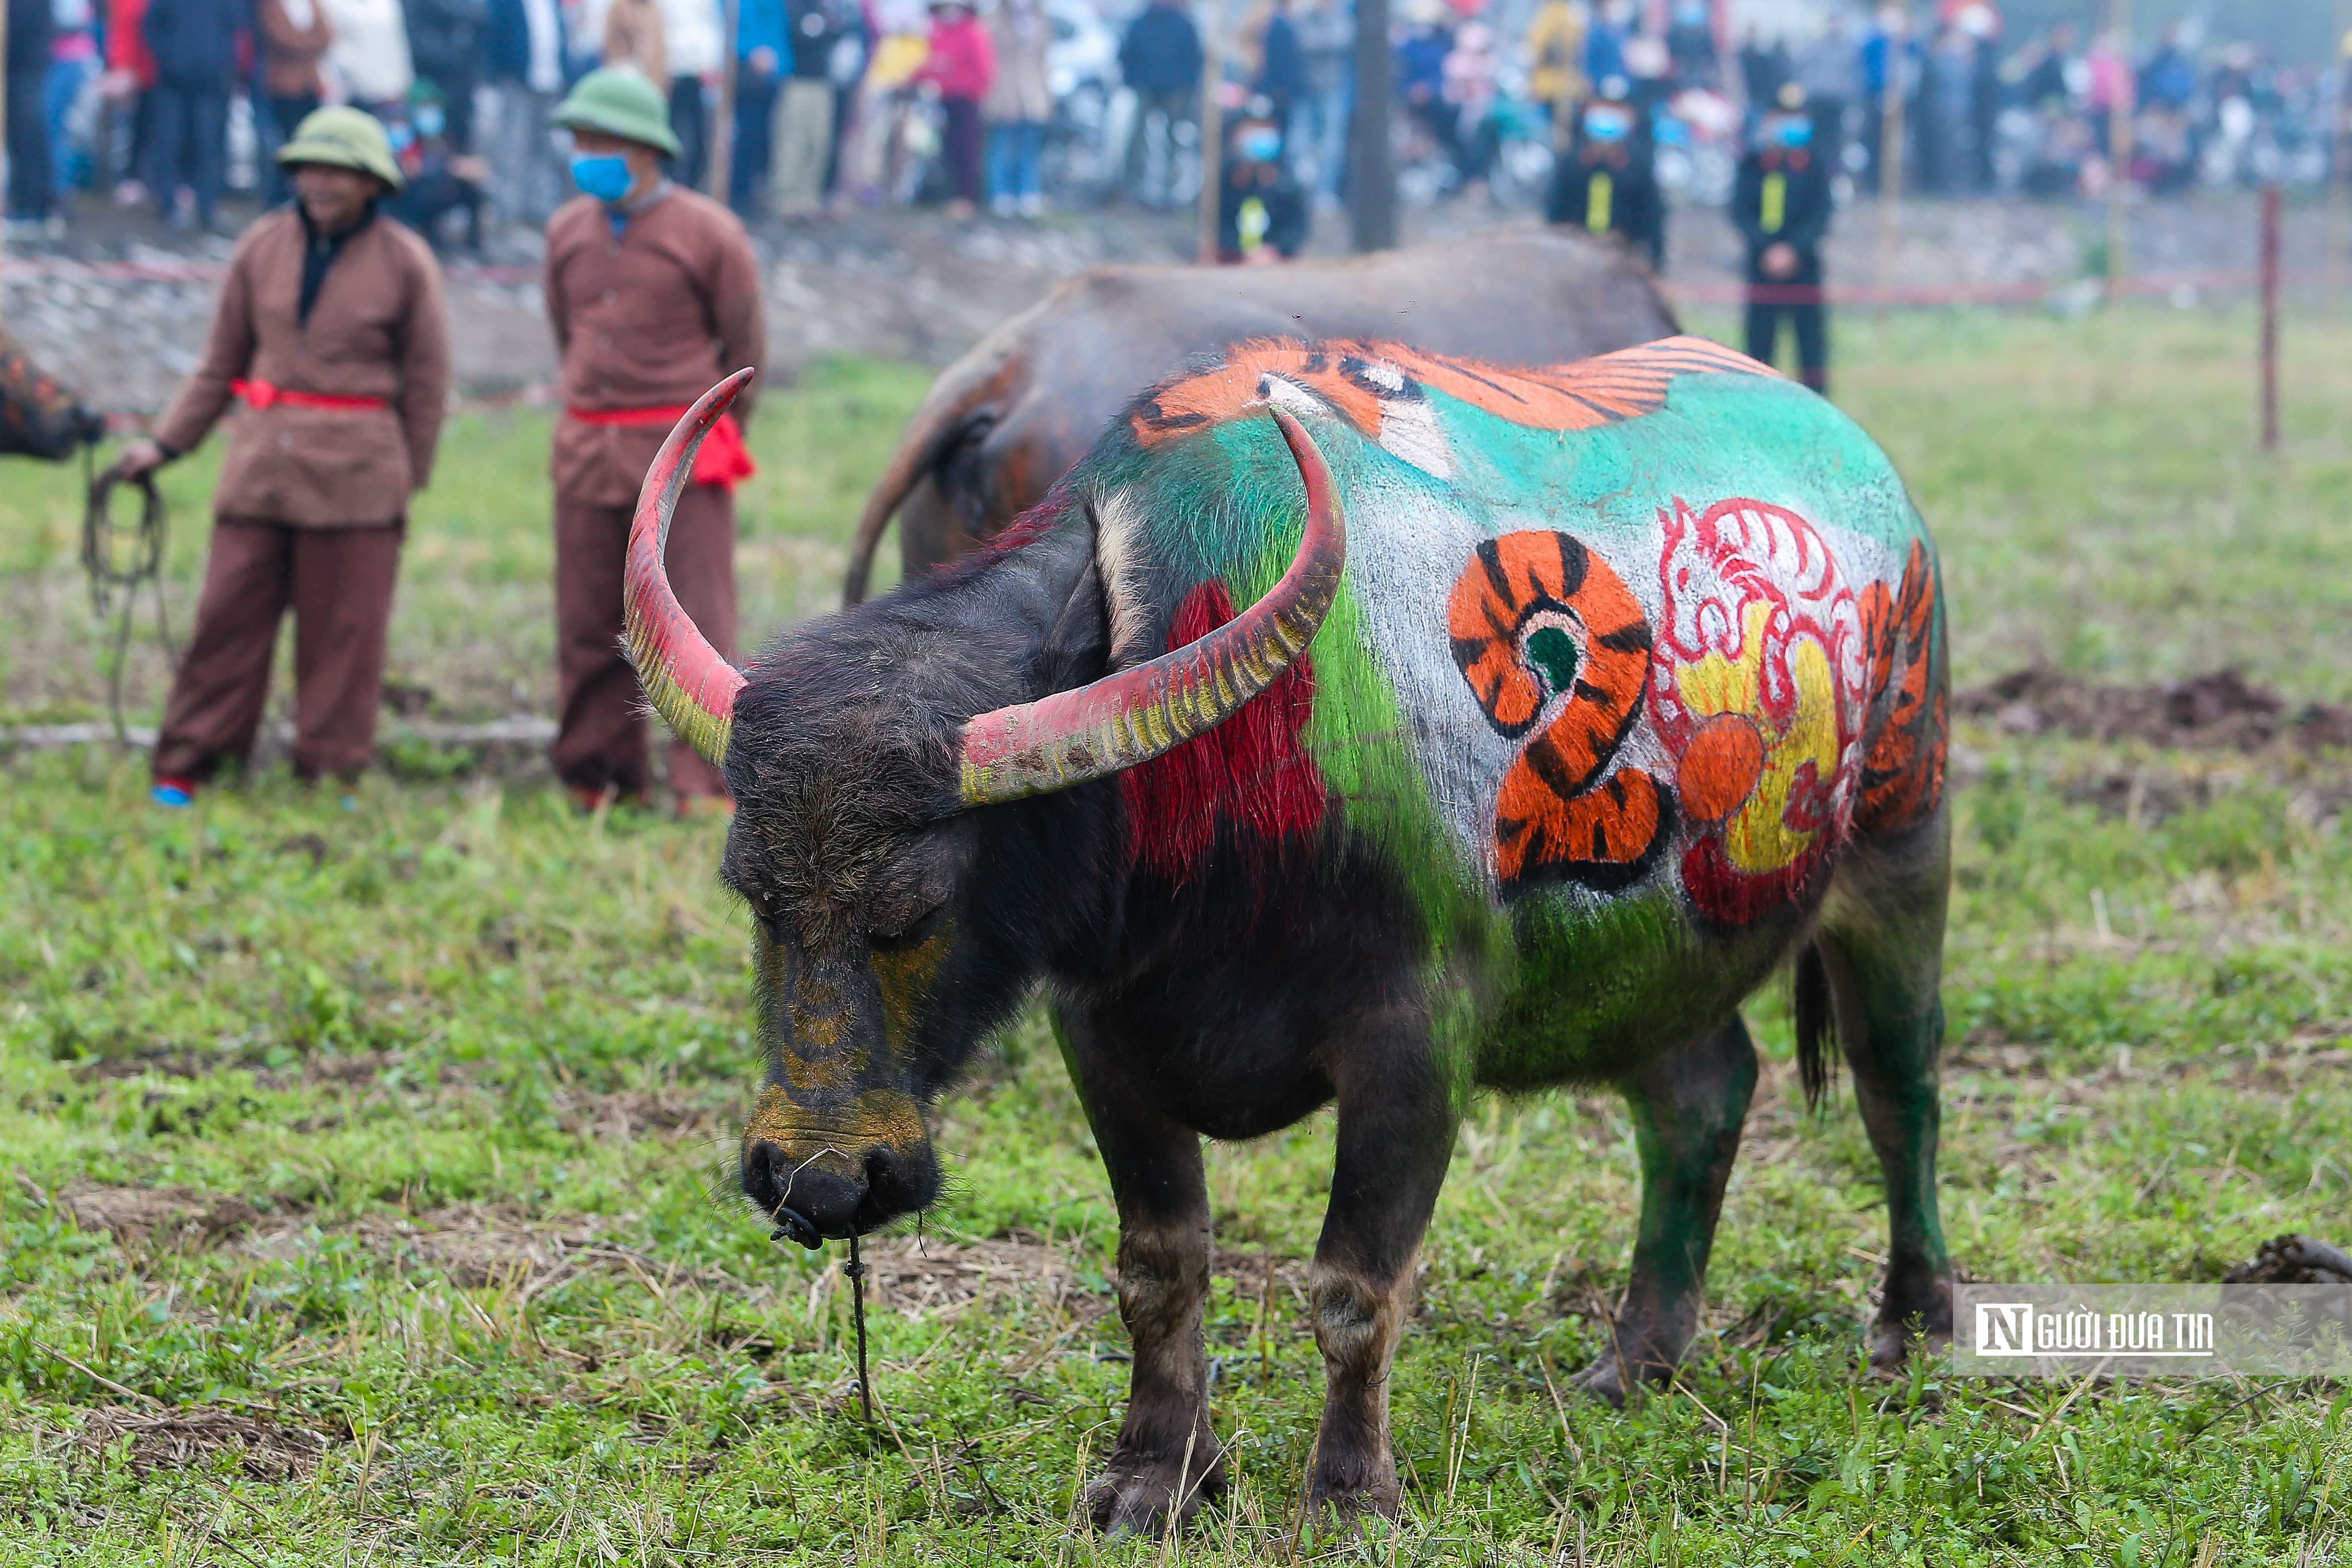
(1289, 395)
(1410, 430)
(1119, 562)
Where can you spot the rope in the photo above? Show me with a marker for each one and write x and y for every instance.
(119, 560)
(856, 1272)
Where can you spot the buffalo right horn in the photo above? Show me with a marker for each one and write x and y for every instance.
(690, 683)
(1131, 717)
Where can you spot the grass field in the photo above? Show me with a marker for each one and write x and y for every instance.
(370, 1187)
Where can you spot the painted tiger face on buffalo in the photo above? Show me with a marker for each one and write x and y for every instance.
(881, 947)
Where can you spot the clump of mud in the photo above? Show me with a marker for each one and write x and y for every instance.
(2221, 710)
(2294, 1260)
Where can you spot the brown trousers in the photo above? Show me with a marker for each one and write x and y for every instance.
(339, 583)
(600, 742)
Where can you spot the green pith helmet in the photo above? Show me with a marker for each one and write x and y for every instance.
(346, 138)
(620, 103)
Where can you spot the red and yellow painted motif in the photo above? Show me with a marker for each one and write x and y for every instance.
(1357, 379)
(1536, 617)
(1757, 687)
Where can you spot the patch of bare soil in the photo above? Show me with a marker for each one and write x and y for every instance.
(916, 1277)
(134, 1215)
(267, 1450)
(2219, 711)
(500, 1245)
(922, 1275)
(672, 1113)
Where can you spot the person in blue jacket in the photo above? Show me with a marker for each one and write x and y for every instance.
(195, 43)
(764, 59)
(1161, 59)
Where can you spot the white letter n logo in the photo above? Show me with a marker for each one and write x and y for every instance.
(2005, 1328)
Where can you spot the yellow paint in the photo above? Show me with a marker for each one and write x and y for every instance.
(1597, 199)
(1774, 209)
(905, 979)
(1755, 838)
(827, 1080)
(838, 1140)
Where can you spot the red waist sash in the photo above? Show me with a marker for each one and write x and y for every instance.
(265, 395)
(723, 459)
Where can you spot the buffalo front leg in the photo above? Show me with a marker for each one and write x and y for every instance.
(1167, 1460)
(1395, 1138)
(1881, 944)
(1688, 1108)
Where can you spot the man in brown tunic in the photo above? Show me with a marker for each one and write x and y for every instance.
(332, 331)
(655, 295)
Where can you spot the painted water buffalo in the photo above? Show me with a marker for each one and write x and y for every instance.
(1561, 710)
(1002, 423)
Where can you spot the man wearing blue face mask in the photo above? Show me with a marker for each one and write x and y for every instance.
(1607, 181)
(1261, 209)
(654, 295)
(1781, 203)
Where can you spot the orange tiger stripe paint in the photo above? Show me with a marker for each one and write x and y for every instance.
(1548, 815)
(1903, 762)
(1349, 376)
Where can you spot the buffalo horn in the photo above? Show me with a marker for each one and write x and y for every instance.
(688, 681)
(1135, 715)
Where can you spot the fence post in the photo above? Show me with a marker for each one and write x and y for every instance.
(1212, 129)
(719, 170)
(2339, 175)
(4, 121)
(1371, 159)
(2270, 316)
(1889, 156)
(2119, 145)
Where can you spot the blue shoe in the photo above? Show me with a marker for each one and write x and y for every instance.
(176, 797)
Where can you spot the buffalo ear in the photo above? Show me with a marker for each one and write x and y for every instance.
(1078, 647)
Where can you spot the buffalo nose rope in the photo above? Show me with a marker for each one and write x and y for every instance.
(798, 1229)
(856, 1272)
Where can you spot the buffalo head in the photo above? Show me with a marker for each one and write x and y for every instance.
(887, 821)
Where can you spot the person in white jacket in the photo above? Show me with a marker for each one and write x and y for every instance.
(695, 30)
(369, 60)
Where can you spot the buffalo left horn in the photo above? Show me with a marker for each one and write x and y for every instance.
(1136, 714)
(690, 685)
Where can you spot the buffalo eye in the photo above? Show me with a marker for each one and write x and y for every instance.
(903, 936)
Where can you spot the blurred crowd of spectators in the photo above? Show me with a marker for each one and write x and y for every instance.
(167, 104)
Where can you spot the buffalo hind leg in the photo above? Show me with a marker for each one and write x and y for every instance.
(1688, 1108)
(1396, 1124)
(1881, 948)
(1167, 1460)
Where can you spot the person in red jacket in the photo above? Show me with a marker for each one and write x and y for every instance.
(963, 67)
(128, 85)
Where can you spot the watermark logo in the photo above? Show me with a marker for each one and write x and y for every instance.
(2172, 1330)
(2020, 1329)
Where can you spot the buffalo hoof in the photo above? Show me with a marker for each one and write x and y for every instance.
(1611, 1378)
(1893, 1344)
(1914, 1313)
(1148, 1494)
(1344, 1503)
